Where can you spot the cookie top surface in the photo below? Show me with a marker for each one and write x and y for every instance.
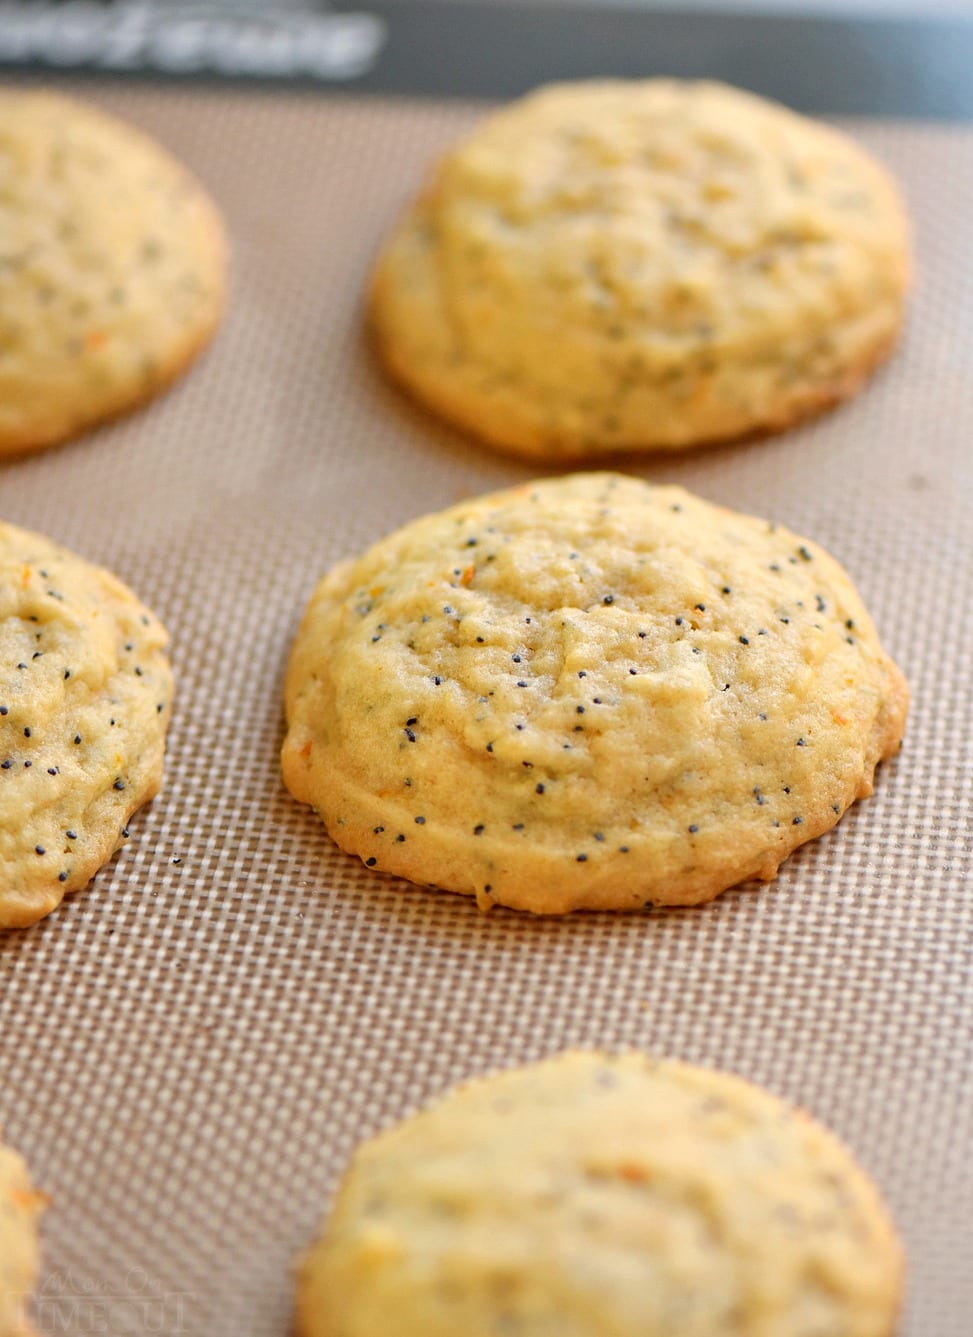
(607, 266)
(587, 692)
(20, 1205)
(597, 1196)
(85, 700)
(112, 268)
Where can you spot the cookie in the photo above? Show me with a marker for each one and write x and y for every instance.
(642, 266)
(599, 1196)
(20, 1205)
(112, 268)
(85, 695)
(587, 692)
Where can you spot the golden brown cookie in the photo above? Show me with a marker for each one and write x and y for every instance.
(598, 1196)
(639, 266)
(586, 693)
(112, 268)
(85, 697)
(20, 1206)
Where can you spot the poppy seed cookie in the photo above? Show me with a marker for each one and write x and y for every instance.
(598, 1196)
(20, 1205)
(615, 266)
(112, 268)
(85, 695)
(589, 693)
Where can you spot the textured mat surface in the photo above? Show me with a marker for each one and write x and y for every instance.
(190, 1049)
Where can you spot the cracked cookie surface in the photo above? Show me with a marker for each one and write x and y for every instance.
(615, 266)
(112, 268)
(587, 693)
(604, 1196)
(85, 700)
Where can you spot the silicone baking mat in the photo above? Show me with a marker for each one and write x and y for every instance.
(190, 1049)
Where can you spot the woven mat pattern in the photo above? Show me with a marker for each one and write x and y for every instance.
(190, 1050)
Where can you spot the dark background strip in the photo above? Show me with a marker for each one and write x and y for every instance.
(909, 67)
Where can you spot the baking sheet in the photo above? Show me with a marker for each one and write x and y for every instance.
(190, 1049)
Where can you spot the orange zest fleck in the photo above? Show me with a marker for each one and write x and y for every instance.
(28, 1198)
(466, 578)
